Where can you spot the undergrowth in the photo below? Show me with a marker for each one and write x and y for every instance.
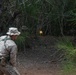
(69, 51)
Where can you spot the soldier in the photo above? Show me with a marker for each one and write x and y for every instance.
(8, 51)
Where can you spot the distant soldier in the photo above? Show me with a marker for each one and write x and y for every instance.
(8, 51)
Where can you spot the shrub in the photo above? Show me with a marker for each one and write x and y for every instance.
(66, 45)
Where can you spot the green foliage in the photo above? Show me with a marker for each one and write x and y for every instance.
(68, 69)
(68, 64)
(52, 15)
(66, 45)
(22, 40)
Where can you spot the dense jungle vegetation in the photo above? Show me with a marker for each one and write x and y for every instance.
(52, 17)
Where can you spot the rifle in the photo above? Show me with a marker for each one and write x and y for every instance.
(12, 70)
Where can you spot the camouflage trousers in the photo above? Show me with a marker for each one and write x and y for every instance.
(3, 70)
(8, 70)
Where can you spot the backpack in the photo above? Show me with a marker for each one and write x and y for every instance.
(5, 59)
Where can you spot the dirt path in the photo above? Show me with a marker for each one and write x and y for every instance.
(38, 60)
(33, 67)
(36, 64)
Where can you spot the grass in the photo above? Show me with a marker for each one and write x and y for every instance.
(68, 68)
(67, 47)
(68, 65)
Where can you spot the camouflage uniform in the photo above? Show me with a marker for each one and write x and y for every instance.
(8, 51)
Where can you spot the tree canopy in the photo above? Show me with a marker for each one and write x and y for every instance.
(53, 17)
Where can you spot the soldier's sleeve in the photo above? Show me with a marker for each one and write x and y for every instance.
(13, 53)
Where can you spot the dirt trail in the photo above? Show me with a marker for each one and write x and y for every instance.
(41, 59)
(32, 66)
